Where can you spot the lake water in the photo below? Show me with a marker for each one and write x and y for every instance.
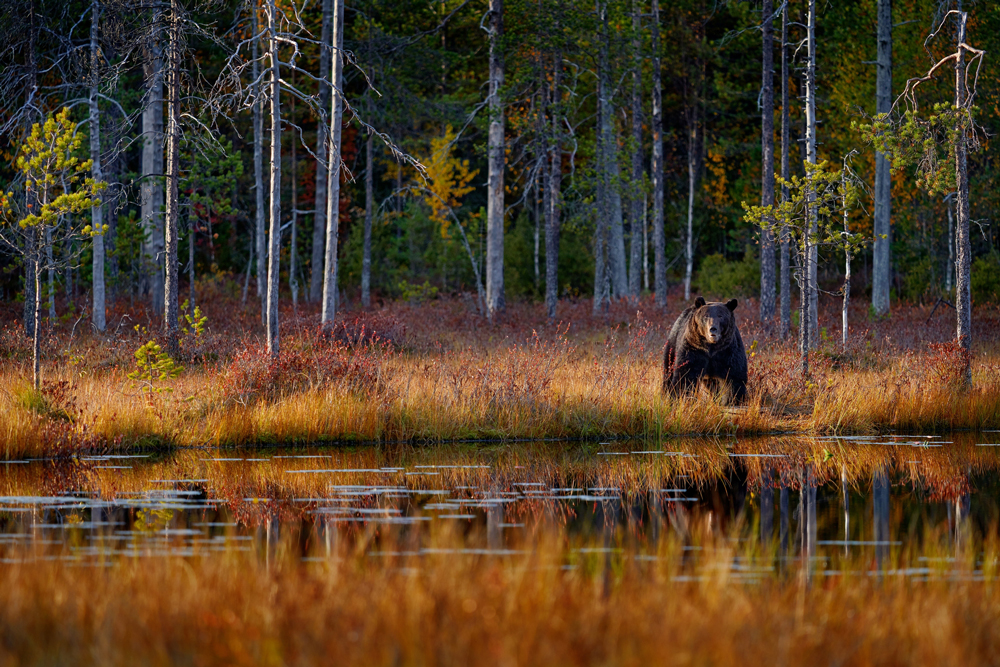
(919, 507)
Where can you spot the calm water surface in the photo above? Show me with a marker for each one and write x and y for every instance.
(888, 505)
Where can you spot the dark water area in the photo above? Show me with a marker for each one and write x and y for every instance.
(922, 507)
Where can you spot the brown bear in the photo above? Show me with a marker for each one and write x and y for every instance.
(705, 348)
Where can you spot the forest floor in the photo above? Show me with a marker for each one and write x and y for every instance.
(438, 371)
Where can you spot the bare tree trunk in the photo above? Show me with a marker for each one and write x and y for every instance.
(260, 235)
(274, 240)
(293, 279)
(366, 254)
(636, 193)
(616, 269)
(70, 281)
(333, 169)
(786, 280)
(246, 276)
(51, 278)
(812, 250)
(173, 175)
(366, 258)
(541, 203)
(30, 241)
(692, 163)
(552, 221)
(950, 268)
(601, 282)
(319, 215)
(767, 286)
(963, 295)
(645, 244)
(192, 233)
(659, 253)
(36, 348)
(97, 212)
(881, 269)
(804, 291)
(495, 301)
(847, 269)
(151, 193)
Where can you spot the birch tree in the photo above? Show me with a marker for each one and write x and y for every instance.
(636, 192)
(274, 231)
(881, 270)
(316, 271)
(333, 168)
(811, 217)
(786, 281)
(151, 189)
(495, 301)
(257, 103)
(97, 212)
(659, 239)
(172, 213)
(767, 291)
(554, 209)
(812, 255)
(938, 144)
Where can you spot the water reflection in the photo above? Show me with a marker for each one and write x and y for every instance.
(932, 502)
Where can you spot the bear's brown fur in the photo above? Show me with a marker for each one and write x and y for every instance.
(704, 347)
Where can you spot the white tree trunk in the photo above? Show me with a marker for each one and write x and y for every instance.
(812, 251)
(616, 250)
(97, 212)
(495, 301)
(274, 233)
(847, 273)
(881, 269)
(786, 273)
(601, 284)
(322, 149)
(293, 260)
(659, 253)
(260, 233)
(333, 173)
(950, 267)
(51, 278)
(692, 183)
(554, 199)
(151, 192)
(767, 286)
(172, 214)
(635, 192)
(366, 251)
(36, 348)
(963, 265)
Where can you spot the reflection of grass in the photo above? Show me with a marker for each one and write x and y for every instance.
(940, 472)
(266, 606)
(449, 381)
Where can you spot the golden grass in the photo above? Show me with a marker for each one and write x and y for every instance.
(446, 608)
(542, 388)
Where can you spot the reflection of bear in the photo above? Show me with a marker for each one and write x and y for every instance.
(704, 348)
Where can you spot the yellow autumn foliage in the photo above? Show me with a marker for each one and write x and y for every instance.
(448, 177)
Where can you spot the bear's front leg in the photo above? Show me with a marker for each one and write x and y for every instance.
(688, 374)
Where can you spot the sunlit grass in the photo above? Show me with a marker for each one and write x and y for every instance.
(366, 601)
(592, 382)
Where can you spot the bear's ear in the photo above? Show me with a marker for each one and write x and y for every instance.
(731, 304)
(699, 302)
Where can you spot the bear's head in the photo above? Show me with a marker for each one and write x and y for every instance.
(715, 321)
